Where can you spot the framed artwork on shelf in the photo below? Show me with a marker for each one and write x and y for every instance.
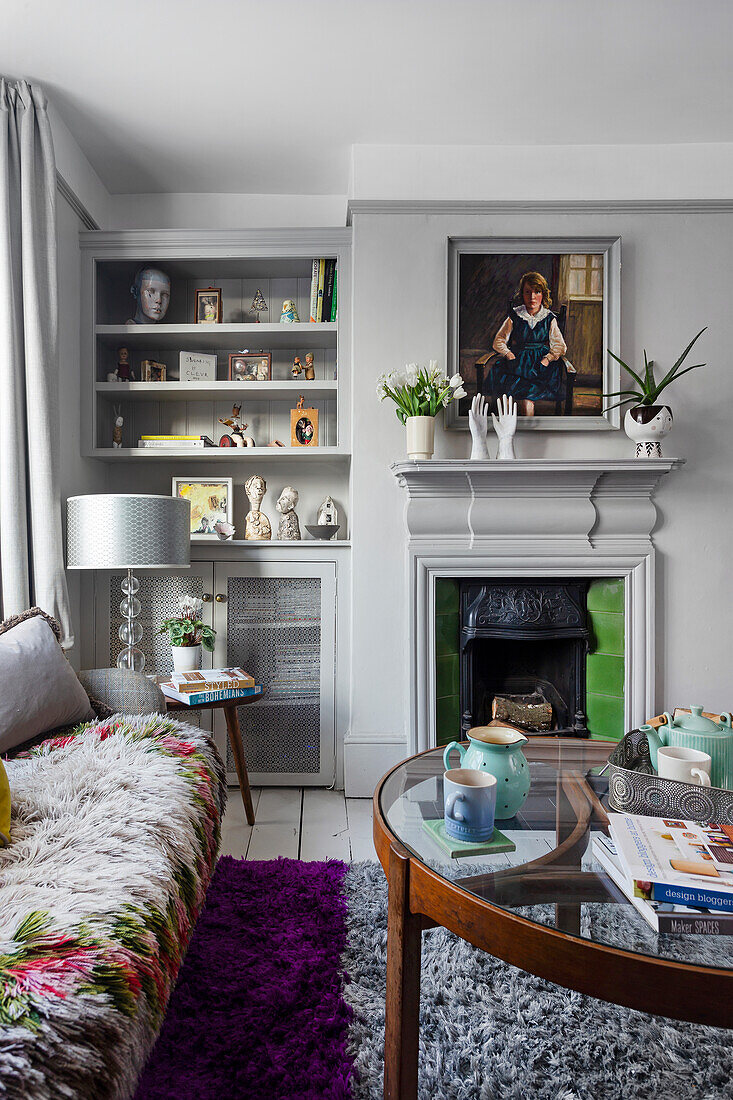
(196, 366)
(247, 366)
(208, 306)
(536, 318)
(211, 501)
(303, 426)
(152, 371)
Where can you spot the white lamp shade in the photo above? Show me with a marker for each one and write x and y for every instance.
(128, 531)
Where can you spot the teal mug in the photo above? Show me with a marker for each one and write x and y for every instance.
(469, 801)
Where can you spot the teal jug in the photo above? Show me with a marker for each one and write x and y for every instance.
(497, 750)
(695, 731)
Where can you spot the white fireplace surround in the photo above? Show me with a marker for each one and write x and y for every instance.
(530, 518)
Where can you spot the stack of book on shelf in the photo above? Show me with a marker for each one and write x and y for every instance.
(677, 874)
(211, 685)
(184, 442)
(323, 291)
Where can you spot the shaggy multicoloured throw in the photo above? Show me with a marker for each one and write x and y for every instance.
(258, 1011)
(114, 836)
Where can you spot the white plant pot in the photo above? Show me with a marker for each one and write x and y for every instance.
(186, 658)
(420, 436)
(647, 426)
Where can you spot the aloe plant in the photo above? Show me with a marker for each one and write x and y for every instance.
(648, 388)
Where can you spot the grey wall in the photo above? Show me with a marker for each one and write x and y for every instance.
(675, 279)
(78, 475)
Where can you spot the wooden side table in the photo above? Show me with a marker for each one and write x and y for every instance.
(229, 706)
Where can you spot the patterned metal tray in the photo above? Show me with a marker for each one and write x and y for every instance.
(635, 788)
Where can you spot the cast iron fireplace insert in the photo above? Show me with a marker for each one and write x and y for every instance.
(520, 637)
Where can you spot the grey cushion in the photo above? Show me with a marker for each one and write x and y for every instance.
(39, 690)
(124, 692)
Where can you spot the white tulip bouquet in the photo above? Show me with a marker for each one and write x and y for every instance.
(417, 391)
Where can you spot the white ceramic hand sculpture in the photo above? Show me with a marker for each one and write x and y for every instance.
(478, 422)
(505, 425)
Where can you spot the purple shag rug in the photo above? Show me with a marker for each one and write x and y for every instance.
(257, 1011)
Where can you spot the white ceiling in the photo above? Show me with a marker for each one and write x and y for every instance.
(255, 97)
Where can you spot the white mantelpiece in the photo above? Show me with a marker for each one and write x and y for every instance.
(530, 518)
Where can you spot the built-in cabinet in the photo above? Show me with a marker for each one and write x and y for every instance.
(276, 618)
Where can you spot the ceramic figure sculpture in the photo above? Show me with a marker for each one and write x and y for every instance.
(289, 527)
(151, 290)
(289, 315)
(327, 513)
(117, 431)
(256, 524)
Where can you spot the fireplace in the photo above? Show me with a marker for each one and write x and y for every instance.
(524, 641)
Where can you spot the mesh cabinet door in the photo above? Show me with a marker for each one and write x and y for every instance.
(278, 622)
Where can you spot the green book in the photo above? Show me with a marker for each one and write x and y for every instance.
(458, 848)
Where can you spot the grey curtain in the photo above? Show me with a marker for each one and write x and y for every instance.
(31, 545)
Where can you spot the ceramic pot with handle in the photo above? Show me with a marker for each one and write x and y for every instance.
(497, 750)
(695, 731)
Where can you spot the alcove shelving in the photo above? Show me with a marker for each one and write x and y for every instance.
(278, 265)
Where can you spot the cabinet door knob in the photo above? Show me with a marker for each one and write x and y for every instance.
(207, 597)
(220, 597)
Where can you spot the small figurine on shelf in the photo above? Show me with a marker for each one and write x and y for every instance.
(297, 367)
(310, 373)
(117, 430)
(123, 373)
(151, 290)
(238, 438)
(289, 315)
(256, 524)
(289, 527)
(259, 305)
(327, 513)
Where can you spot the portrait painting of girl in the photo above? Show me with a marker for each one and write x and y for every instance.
(535, 323)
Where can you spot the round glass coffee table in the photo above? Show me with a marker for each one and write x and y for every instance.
(545, 907)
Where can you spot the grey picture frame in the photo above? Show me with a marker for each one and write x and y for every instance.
(610, 248)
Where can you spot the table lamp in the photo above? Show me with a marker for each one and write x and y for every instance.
(128, 531)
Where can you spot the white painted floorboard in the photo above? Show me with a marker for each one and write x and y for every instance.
(298, 823)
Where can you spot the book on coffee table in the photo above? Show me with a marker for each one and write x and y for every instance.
(457, 848)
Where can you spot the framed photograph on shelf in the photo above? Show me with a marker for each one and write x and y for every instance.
(303, 426)
(536, 317)
(152, 371)
(248, 366)
(209, 309)
(211, 500)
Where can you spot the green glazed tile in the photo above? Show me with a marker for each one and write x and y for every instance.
(605, 674)
(446, 634)
(607, 633)
(446, 675)
(606, 594)
(447, 720)
(446, 595)
(605, 717)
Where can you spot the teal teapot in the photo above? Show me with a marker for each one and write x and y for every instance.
(498, 751)
(695, 731)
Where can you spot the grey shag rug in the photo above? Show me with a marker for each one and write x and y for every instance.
(488, 1030)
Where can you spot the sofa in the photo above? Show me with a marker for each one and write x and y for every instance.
(114, 834)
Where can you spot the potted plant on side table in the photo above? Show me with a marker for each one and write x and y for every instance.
(187, 634)
(647, 422)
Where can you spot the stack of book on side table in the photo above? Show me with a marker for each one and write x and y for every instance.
(677, 874)
(210, 685)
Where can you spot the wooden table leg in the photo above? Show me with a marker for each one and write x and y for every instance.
(235, 740)
(404, 943)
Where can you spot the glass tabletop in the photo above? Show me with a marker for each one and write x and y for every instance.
(552, 876)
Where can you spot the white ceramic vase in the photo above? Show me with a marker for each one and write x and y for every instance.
(186, 658)
(420, 436)
(647, 425)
